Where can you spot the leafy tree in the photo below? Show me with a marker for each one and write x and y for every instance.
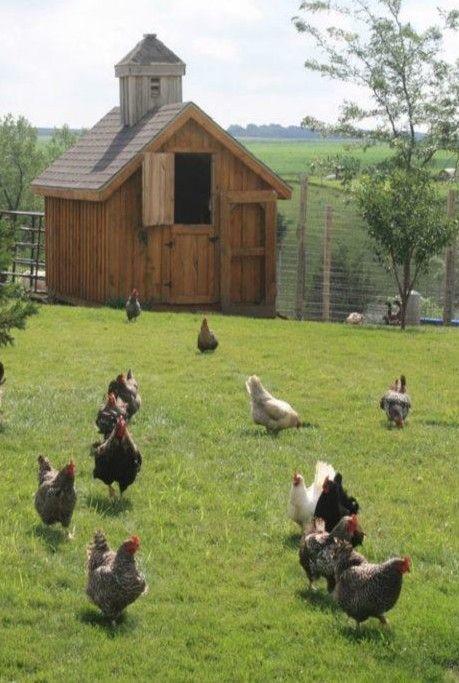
(61, 140)
(406, 219)
(411, 88)
(20, 161)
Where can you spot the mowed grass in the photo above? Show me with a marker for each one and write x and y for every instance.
(228, 600)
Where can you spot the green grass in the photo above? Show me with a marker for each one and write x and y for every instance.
(228, 598)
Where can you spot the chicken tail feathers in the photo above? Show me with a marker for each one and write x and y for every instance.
(96, 550)
(323, 470)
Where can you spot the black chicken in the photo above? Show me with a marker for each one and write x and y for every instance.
(334, 502)
(117, 459)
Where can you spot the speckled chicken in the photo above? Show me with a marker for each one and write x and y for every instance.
(316, 547)
(333, 501)
(303, 500)
(108, 414)
(396, 402)
(207, 341)
(133, 308)
(367, 590)
(272, 413)
(55, 498)
(114, 581)
(117, 459)
(127, 389)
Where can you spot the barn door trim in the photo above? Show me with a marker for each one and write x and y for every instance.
(267, 199)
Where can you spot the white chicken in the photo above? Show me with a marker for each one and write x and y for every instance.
(268, 411)
(303, 500)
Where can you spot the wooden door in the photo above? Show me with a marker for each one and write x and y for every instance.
(248, 251)
(193, 264)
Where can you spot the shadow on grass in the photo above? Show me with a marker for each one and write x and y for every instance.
(113, 629)
(370, 631)
(258, 433)
(292, 541)
(318, 598)
(53, 537)
(108, 507)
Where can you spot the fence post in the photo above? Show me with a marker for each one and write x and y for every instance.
(450, 266)
(300, 232)
(327, 263)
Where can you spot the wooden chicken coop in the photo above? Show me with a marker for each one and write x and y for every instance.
(159, 197)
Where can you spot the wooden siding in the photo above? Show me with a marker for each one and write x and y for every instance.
(99, 251)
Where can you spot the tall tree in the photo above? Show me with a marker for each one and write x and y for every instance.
(61, 140)
(20, 161)
(406, 219)
(412, 89)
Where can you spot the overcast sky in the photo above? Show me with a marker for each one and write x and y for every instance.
(244, 57)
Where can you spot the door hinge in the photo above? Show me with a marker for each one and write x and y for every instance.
(213, 239)
(169, 244)
(168, 284)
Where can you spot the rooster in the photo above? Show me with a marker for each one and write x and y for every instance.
(114, 581)
(207, 341)
(302, 502)
(334, 502)
(396, 403)
(109, 413)
(117, 459)
(316, 547)
(56, 497)
(367, 590)
(268, 411)
(127, 389)
(133, 309)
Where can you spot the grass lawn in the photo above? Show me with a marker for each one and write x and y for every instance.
(228, 600)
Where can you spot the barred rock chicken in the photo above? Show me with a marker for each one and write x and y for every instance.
(367, 590)
(396, 402)
(268, 411)
(316, 547)
(117, 459)
(126, 388)
(109, 413)
(334, 502)
(114, 581)
(302, 502)
(207, 341)
(56, 497)
(133, 309)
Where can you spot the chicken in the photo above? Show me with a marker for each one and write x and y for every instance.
(316, 547)
(302, 501)
(114, 581)
(334, 502)
(117, 459)
(396, 403)
(56, 496)
(367, 590)
(355, 319)
(207, 341)
(133, 309)
(268, 411)
(127, 389)
(109, 413)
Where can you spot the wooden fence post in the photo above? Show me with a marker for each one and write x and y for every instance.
(300, 233)
(450, 266)
(327, 263)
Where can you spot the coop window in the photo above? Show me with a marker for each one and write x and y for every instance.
(154, 87)
(192, 189)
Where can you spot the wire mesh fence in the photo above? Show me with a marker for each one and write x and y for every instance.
(341, 272)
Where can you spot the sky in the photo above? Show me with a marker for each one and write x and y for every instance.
(245, 59)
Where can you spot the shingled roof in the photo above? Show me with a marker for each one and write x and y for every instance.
(150, 50)
(104, 150)
(93, 163)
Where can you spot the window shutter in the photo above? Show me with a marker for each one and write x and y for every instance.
(158, 189)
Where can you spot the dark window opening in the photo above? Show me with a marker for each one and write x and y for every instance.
(155, 87)
(192, 188)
